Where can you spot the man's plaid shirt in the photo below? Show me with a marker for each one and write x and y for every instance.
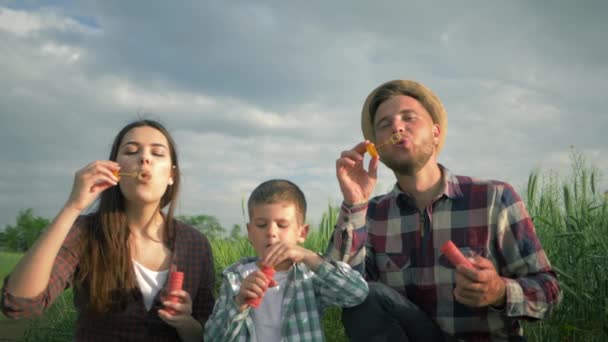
(391, 241)
(307, 294)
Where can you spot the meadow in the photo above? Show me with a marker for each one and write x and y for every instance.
(571, 219)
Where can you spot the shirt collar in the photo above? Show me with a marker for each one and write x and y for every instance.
(451, 189)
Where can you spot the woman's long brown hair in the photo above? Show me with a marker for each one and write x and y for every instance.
(105, 269)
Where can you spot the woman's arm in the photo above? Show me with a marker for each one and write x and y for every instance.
(31, 275)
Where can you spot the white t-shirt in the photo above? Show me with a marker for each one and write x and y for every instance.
(267, 317)
(150, 282)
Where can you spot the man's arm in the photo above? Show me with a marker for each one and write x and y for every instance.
(356, 184)
(349, 241)
(531, 286)
(337, 284)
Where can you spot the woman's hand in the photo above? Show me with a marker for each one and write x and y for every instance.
(176, 314)
(90, 181)
(179, 315)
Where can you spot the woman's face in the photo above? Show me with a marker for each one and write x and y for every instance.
(145, 150)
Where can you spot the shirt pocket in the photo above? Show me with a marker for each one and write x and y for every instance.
(395, 270)
(392, 262)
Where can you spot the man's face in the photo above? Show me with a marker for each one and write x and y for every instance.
(419, 135)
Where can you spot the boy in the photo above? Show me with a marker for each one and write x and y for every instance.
(302, 287)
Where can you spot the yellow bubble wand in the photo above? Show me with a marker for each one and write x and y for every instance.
(373, 149)
(118, 174)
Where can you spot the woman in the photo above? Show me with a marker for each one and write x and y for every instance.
(118, 258)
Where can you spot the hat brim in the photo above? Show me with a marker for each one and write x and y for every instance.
(422, 94)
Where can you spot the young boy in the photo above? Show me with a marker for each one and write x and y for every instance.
(304, 284)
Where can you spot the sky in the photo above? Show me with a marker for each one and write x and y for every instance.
(257, 90)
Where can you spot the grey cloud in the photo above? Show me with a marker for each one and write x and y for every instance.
(256, 91)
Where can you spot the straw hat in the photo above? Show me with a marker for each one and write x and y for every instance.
(424, 95)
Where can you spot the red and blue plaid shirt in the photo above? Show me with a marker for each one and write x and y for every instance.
(391, 241)
(192, 255)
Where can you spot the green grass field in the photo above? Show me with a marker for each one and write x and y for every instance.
(57, 324)
(571, 219)
(10, 330)
(7, 262)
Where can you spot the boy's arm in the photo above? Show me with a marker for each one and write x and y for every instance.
(226, 320)
(337, 284)
(348, 242)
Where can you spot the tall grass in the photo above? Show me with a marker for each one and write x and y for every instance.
(571, 218)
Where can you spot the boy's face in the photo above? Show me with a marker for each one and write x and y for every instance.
(272, 223)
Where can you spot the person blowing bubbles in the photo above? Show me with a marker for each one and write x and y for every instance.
(395, 239)
(117, 258)
(294, 297)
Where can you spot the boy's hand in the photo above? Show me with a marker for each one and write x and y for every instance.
(253, 286)
(280, 252)
(356, 183)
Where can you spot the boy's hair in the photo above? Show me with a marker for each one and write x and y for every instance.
(279, 190)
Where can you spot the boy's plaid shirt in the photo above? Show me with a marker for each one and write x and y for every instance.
(481, 217)
(307, 294)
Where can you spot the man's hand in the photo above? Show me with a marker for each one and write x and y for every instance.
(356, 183)
(479, 286)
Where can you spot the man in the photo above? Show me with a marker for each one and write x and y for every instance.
(416, 293)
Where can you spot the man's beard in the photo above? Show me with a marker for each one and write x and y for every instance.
(413, 163)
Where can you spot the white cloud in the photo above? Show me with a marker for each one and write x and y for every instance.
(67, 53)
(18, 22)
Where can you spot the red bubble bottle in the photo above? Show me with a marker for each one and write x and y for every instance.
(269, 272)
(453, 254)
(176, 282)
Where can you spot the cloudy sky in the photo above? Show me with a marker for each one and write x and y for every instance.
(255, 91)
